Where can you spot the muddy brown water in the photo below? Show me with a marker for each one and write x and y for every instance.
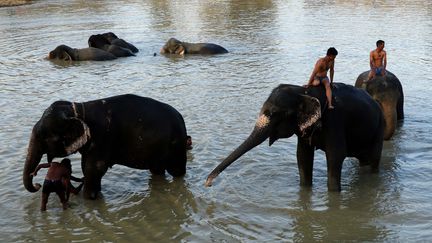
(258, 198)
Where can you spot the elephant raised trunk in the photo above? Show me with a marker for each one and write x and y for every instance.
(34, 156)
(259, 134)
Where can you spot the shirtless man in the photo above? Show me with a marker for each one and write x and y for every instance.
(319, 73)
(57, 180)
(378, 61)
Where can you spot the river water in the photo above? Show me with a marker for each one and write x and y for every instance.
(258, 198)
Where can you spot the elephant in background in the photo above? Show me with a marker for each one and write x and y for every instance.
(130, 130)
(354, 128)
(100, 42)
(387, 91)
(174, 46)
(66, 53)
(114, 40)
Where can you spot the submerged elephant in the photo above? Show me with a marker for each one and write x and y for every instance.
(354, 128)
(66, 53)
(114, 40)
(174, 46)
(100, 42)
(387, 91)
(130, 130)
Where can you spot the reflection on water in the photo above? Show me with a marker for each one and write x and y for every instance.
(258, 197)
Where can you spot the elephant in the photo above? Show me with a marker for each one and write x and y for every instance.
(99, 41)
(114, 40)
(354, 128)
(174, 46)
(66, 53)
(129, 130)
(387, 91)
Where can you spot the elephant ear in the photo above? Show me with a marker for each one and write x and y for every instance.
(180, 50)
(309, 113)
(77, 135)
(66, 57)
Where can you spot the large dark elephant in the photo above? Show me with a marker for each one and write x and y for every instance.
(354, 128)
(174, 46)
(66, 53)
(114, 40)
(387, 90)
(99, 41)
(130, 130)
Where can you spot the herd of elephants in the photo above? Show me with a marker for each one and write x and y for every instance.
(143, 133)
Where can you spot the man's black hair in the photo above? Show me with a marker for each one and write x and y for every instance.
(379, 42)
(332, 51)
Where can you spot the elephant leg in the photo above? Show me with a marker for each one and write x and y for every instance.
(93, 169)
(335, 155)
(334, 170)
(305, 157)
(177, 162)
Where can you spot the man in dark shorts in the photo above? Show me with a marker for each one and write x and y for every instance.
(319, 73)
(57, 180)
(378, 60)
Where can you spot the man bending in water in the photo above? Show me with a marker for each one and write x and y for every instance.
(319, 73)
(378, 61)
(57, 180)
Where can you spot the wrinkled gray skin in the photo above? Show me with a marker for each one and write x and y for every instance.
(174, 46)
(129, 130)
(387, 91)
(354, 128)
(99, 41)
(66, 53)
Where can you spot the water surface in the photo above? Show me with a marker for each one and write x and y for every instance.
(257, 198)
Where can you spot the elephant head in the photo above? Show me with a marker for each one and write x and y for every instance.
(61, 52)
(59, 133)
(173, 46)
(285, 113)
(387, 91)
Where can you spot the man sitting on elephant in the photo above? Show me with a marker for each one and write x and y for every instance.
(57, 180)
(378, 60)
(319, 73)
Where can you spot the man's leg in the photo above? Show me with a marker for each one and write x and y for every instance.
(44, 201)
(327, 86)
(371, 75)
(61, 195)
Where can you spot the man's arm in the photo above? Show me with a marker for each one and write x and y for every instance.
(385, 62)
(331, 72)
(371, 60)
(314, 72)
(45, 165)
(73, 178)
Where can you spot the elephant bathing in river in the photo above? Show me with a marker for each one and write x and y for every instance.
(130, 130)
(66, 53)
(353, 128)
(99, 41)
(387, 91)
(174, 46)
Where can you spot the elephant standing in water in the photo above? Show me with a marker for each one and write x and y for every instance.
(353, 128)
(387, 91)
(174, 46)
(130, 130)
(66, 53)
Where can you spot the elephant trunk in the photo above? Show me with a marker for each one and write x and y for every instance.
(259, 134)
(34, 156)
(390, 118)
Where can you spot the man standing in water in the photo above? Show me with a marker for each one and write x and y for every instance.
(378, 61)
(57, 180)
(319, 73)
